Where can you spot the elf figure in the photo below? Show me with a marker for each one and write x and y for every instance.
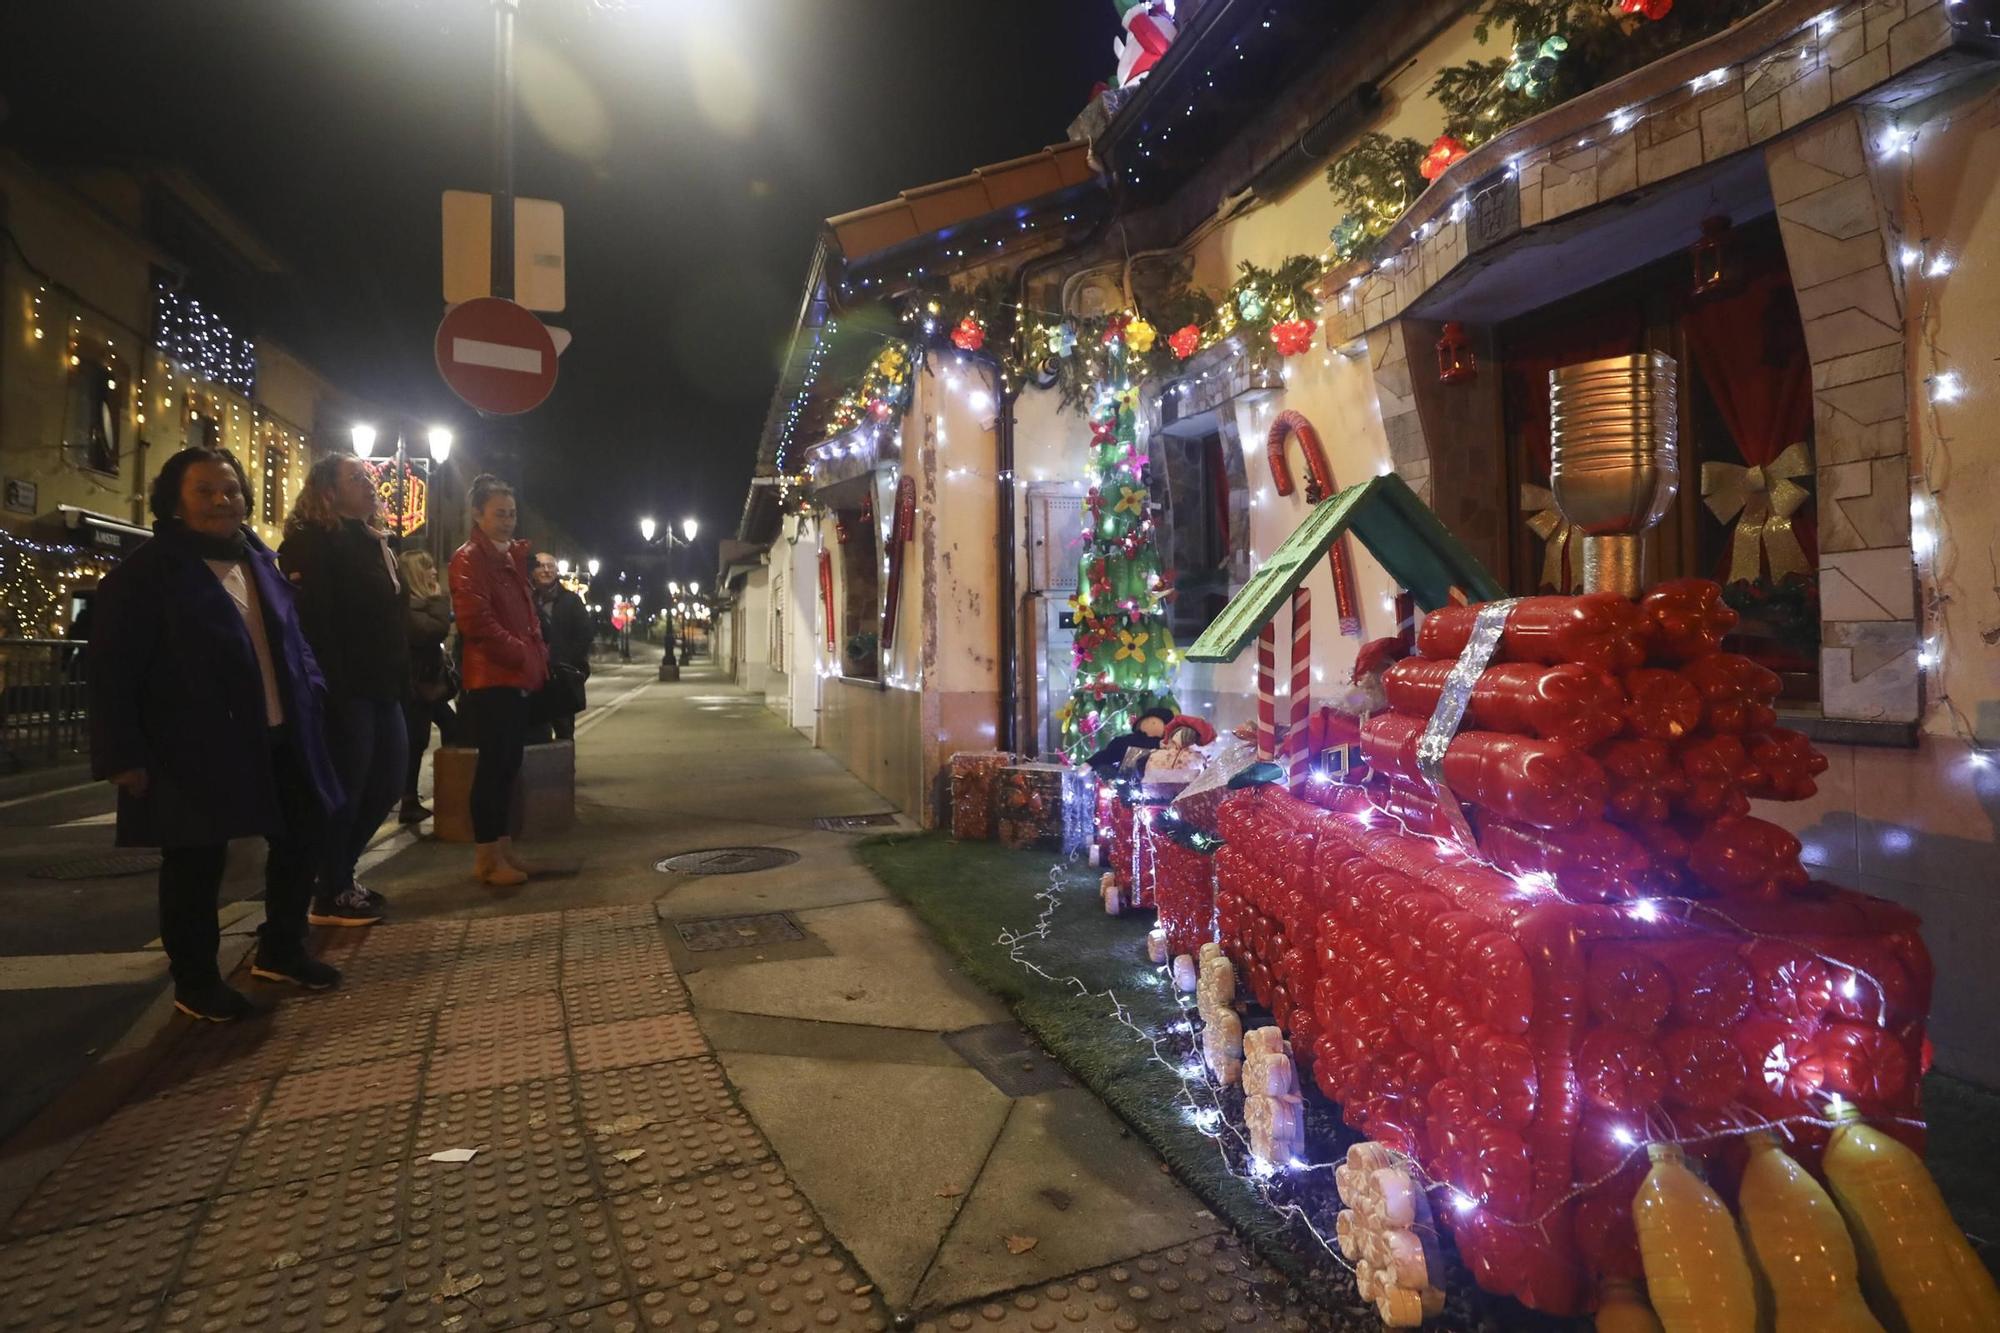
(1149, 31)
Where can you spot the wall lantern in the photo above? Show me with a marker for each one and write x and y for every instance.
(1711, 256)
(1456, 362)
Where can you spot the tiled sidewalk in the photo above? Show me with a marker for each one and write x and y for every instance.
(276, 1174)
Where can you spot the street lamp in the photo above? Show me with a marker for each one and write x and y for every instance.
(364, 439)
(592, 565)
(674, 588)
(646, 529)
(562, 568)
(689, 527)
(440, 439)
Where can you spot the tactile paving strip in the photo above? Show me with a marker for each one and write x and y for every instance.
(370, 968)
(492, 1064)
(536, 949)
(483, 983)
(441, 937)
(794, 1293)
(1209, 1285)
(216, 1055)
(494, 1020)
(90, 1186)
(679, 1114)
(404, 1034)
(322, 1145)
(532, 1149)
(692, 1229)
(363, 1291)
(371, 1002)
(159, 1122)
(608, 942)
(106, 1276)
(520, 926)
(636, 1041)
(343, 1088)
(302, 1221)
(540, 1264)
(631, 965)
(615, 1001)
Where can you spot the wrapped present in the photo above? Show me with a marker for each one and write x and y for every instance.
(1031, 806)
(975, 793)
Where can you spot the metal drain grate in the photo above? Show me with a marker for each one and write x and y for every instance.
(99, 867)
(1009, 1059)
(726, 861)
(855, 823)
(738, 932)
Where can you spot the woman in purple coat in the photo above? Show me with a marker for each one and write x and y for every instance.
(205, 708)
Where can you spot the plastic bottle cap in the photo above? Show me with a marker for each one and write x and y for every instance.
(1664, 1152)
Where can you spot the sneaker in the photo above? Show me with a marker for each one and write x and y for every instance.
(299, 969)
(415, 812)
(374, 899)
(216, 1002)
(349, 907)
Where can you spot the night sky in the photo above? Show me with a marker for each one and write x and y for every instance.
(695, 144)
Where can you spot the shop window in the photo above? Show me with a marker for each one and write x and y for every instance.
(90, 439)
(1192, 495)
(860, 591)
(1745, 398)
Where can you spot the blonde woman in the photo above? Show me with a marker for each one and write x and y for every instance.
(427, 618)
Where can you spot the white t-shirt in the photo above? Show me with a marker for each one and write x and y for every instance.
(235, 579)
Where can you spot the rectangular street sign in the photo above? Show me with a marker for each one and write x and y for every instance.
(539, 266)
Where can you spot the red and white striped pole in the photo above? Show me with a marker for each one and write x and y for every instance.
(1295, 738)
(1267, 707)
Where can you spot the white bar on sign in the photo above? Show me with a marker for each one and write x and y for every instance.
(499, 356)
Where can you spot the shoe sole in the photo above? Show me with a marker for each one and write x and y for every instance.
(320, 919)
(266, 974)
(200, 1017)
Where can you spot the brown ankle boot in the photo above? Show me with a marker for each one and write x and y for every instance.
(489, 868)
(505, 849)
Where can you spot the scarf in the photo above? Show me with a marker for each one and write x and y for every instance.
(174, 531)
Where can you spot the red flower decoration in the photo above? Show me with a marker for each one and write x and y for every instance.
(1652, 9)
(1294, 336)
(1115, 329)
(970, 335)
(1446, 150)
(1185, 342)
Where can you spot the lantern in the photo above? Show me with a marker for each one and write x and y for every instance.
(1456, 362)
(1711, 256)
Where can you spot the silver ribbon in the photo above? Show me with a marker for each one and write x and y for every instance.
(1450, 711)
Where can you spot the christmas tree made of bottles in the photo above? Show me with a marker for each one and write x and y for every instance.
(1125, 654)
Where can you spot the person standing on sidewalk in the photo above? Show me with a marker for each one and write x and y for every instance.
(205, 711)
(566, 631)
(351, 608)
(433, 676)
(505, 664)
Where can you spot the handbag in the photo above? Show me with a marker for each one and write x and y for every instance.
(567, 684)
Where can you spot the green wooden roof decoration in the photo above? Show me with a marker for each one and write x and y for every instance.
(1398, 529)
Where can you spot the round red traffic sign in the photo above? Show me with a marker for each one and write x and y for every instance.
(496, 356)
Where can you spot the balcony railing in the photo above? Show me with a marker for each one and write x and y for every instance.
(44, 703)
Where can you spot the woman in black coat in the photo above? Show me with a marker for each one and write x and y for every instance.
(351, 608)
(205, 711)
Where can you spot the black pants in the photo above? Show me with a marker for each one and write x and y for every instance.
(499, 722)
(191, 880)
(420, 715)
(549, 717)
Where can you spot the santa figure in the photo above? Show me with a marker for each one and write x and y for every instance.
(1149, 31)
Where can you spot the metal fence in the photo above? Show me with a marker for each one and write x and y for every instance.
(44, 704)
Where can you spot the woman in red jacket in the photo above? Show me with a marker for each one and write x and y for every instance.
(505, 663)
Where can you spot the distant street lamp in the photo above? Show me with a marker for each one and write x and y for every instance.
(646, 529)
(689, 527)
(364, 440)
(592, 565)
(440, 440)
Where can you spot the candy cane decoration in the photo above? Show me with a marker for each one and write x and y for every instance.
(1319, 485)
(826, 597)
(1295, 737)
(1267, 709)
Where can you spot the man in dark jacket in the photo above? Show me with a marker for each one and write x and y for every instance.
(205, 712)
(566, 630)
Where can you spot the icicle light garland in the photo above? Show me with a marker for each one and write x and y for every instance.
(192, 336)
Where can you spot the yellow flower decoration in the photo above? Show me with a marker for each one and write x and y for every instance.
(1139, 336)
(1131, 645)
(1132, 498)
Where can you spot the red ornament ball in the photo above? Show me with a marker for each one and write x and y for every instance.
(1294, 336)
(1185, 341)
(1444, 151)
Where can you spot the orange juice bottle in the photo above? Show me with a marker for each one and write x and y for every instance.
(1696, 1272)
(1800, 1246)
(1621, 1309)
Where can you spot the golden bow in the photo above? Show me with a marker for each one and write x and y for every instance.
(1766, 498)
(1131, 645)
(1547, 522)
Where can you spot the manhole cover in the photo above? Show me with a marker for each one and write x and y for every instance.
(1009, 1059)
(854, 823)
(738, 932)
(99, 867)
(726, 861)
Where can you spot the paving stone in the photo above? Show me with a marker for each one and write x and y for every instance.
(441, 937)
(629, 965)
(91, 1186)
(617, 1317)
(156, 1122)
(536, 948)
(108, 1275)
(531, 1142)
(371, 1002)
(636, 1041)
(307, 1221)
(369, 968)
(616, 1001)
(625, 914)
(486, 982)
(492, 1020)
(322, 1145)
(492, 1064)
(403, 1034)
(214, 1055)
(520, 926)
(791, 1294)
(690, 1230)
(1208, 1285)
(680, 1114)
(344, 1088)
(362, 1291)
(540, 1264)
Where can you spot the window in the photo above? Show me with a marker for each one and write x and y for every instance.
(1745, 397)
(90, 437)
(1195, 480)
(860, 586)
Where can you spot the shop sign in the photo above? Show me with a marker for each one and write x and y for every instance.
(23, 497)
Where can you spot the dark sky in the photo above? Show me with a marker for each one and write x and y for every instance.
(695, 145)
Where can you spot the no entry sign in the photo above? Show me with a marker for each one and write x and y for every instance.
(496, 356)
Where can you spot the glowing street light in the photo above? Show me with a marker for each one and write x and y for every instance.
(440, 439)
(646, 529)
(562, 568)
(364, 439)
(689, 527)
(591, 565)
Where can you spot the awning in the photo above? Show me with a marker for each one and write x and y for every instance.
(101, 532)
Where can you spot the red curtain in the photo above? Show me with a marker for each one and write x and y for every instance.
(1750, 349)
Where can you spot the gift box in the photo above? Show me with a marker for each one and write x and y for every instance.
(1183, 891)
(975, 793)
(1031, 806)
